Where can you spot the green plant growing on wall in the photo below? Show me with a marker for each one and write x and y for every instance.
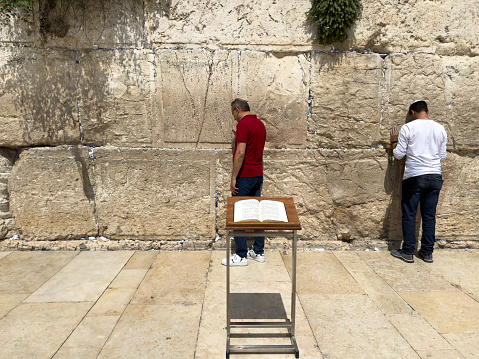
(15, 8)
(333, 18)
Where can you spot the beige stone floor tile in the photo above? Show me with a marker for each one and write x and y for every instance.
(419, 333)
(4, 254)
(25, 272)
(88, 338)
(376, 288)
(321, 273)
(10, 301)
(83, 279)
(402, 276)
(458, 267)
(272, 269)
(352, 326)
(176, 277)
(112, 302)
(142, 260)
(465, 343)
(129, 278)
(439, 354)
(447, 312)
(155, 331)
(37, 330)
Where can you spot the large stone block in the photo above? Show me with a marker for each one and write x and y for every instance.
(52, 194)
(339, 195)
(38, 100)
(445, 27)
(346, 100)
(277, 88)
(117, 98)
(7, 157)
(155, 194)
(461, 84)
(83, 24)
(266, 25)
(195, 89)
(17, 31)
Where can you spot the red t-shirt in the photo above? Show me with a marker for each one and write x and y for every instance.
(251, 130)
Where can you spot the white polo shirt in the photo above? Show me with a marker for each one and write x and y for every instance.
(423, 142)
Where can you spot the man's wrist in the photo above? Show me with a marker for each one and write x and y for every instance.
(393, 142)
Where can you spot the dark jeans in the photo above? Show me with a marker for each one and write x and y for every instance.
(423, 190)
(251, 187)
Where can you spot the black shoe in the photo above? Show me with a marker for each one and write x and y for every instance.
(398, 253)
(425, 257)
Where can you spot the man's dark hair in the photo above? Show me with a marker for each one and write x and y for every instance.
(241, 104)
(418, 106)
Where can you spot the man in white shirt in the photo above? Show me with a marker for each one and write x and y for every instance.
(423, 142)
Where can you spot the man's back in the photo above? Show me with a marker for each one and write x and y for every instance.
(251, 130)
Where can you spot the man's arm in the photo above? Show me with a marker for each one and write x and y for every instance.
(398, 142)
(237, 163)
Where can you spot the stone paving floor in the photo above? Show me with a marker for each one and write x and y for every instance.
(130, 304)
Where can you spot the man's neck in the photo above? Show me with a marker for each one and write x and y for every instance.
(422, 116)
(243, 114)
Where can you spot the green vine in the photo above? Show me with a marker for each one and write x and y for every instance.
(333, 18)
(15, 8)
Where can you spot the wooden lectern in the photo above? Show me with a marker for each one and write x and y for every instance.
(268, 229)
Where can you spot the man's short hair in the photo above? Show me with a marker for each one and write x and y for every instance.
(241, 104)
(418, 106)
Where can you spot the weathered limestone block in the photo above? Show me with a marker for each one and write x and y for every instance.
(17, 31)
(195, 89)
(461, 83)
(445, 27)
(155, 194)
(339, 195)
(408, 78)
(346, 100)
(277, 88)
(117, 98)
(83, 24)
(267, 25)
(7, 224)
(38, 100)
(459, 199)
(52, 195)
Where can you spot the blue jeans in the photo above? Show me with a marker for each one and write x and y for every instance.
(251, 187)
(423, 190)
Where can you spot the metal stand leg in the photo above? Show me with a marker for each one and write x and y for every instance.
(228, 239)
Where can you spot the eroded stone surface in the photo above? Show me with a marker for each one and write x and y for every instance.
(7, 224)
(52, 195)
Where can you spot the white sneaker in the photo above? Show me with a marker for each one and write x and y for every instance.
(256, 257)
(235, 260)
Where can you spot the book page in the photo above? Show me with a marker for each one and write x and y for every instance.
(273, 211)
(247, 211)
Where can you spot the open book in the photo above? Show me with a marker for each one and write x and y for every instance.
(252, 210)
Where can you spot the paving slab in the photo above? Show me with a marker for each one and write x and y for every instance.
(83, 279)
(465, 343)
(37, 330)
(176, 277)
(352, 326)
(128, 278)
(141, 260)
(4, 254)
(439, 354)
(155, 331)
(447, 312)
(377, 288)
(113, 302)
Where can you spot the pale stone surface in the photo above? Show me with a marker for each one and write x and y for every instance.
(141, 260)
(117, 98)
(88, 338)
(9, 301)
(112, 302)
(7, 225)
(176, 278)
(17, 31)
(128, 278)
(466, 344)
(160, 331)
(155, 194)
(341, 322)
(27, 331)
(419, 333)
(346, 90)
(69, 284)
(52, 195)
(277, 88)
(4, 254)
(435, 307)
(38, 101)
(378, 290)
(439, 354)
(269, 25)
(195, 89)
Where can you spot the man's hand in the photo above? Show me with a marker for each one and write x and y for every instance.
(393, 136)
(233, 188)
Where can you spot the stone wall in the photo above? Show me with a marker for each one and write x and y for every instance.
(115, 123)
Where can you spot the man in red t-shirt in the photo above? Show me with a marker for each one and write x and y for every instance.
(247, 176)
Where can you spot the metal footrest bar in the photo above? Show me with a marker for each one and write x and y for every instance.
(260, 335)
(287, 325)
(262, 349)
